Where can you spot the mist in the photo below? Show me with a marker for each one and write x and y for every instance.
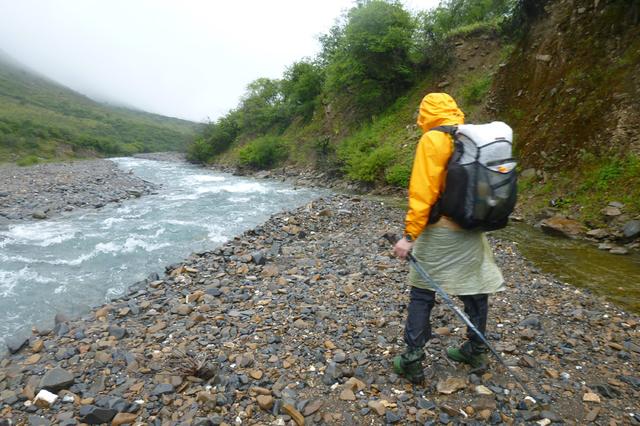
(187, 59)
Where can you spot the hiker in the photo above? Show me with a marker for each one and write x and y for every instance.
(459, 260)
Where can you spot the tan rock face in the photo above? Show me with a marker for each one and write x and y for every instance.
(123, 418)
(562, 226)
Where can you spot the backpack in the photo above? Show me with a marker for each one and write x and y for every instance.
(481, 185)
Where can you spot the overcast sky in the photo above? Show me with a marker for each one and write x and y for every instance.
(184, 58)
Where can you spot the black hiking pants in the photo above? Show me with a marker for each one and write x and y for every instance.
(417, 329)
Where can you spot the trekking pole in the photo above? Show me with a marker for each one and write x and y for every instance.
(392, 239)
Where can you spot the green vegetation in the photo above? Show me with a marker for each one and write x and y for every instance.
(583, 192)
(347, 109)
(263, 153)
(40, 119)
(475, 91)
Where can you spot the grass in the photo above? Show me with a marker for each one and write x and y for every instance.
(41, 118)
(584, 191)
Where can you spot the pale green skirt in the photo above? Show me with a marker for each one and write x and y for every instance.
(459, 261)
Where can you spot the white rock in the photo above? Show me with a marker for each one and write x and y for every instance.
(45, 399)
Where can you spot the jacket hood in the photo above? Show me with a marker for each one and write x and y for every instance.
(438, 109)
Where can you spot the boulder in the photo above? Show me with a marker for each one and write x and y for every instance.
(56, 379)
(562, 226)
(631, 229)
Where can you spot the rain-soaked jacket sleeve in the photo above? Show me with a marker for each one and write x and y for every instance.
(427, 179)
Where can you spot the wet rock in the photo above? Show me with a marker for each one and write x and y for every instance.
(15, 343)
(631, 229)
(56, 379)
(163, 389)
(562, 226)
(92, 415)
(117, 332)
(392, 418)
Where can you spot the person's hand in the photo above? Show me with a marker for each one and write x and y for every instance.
(402, 248)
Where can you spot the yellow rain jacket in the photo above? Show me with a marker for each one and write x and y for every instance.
(430, 163)
(460, 261)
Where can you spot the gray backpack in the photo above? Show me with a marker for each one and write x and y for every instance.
(481, 186)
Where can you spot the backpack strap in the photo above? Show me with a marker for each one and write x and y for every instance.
(451, 130)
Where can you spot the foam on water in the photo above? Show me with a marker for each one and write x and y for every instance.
(9, 279)
(42, 234)
(88, 256)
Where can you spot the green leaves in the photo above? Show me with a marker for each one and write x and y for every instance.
(263, 153)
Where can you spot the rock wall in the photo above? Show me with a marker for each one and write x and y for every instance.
(571, 86)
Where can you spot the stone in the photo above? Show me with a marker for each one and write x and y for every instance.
(56, 379)
(598, 233)
(562, 226)
(347, 395)
(618, 250)
(39, 215)
(33, 359)
(543, 58)
(483, 390)
(611, 211)
(90, 414)
(183, 309)
(37, 346)
(355, 384)
(592, 415)
(103, 312)
(15, 343)
(256, 374)
(117, 332)
(312, 407)
(451, 385)
(124, 418)
(162, 389)
(591, 397)
(391, 417)
(631, 229)
(36, 421)
(377, 406)
(45, 399)
(265, 402)
(159, 326)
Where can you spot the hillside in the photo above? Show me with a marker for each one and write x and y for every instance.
(41, 119)
(563, 74)
(570, 89)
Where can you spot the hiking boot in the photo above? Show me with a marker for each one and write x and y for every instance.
(409, 365)
(470, 353)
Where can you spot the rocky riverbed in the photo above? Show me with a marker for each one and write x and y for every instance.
(46, 190)
(295, 322)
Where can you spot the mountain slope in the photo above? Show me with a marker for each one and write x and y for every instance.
(41, 118)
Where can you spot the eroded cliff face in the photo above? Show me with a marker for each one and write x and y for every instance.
(571, 87)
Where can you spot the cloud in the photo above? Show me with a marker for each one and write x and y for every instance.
(190, 59)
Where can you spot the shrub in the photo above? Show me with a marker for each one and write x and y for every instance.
(398, 175)
(263, 153)
(28, 160)
(474, 92)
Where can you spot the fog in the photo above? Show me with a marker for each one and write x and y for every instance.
(183, 58)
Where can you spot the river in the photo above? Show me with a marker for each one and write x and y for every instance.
(85, 258)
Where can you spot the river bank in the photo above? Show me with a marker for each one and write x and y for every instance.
(299, 318)
(46, 190)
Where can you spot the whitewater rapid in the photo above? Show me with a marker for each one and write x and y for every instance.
(87, 257)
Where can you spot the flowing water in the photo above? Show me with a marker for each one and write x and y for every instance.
(85, 258)
(581, 264)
